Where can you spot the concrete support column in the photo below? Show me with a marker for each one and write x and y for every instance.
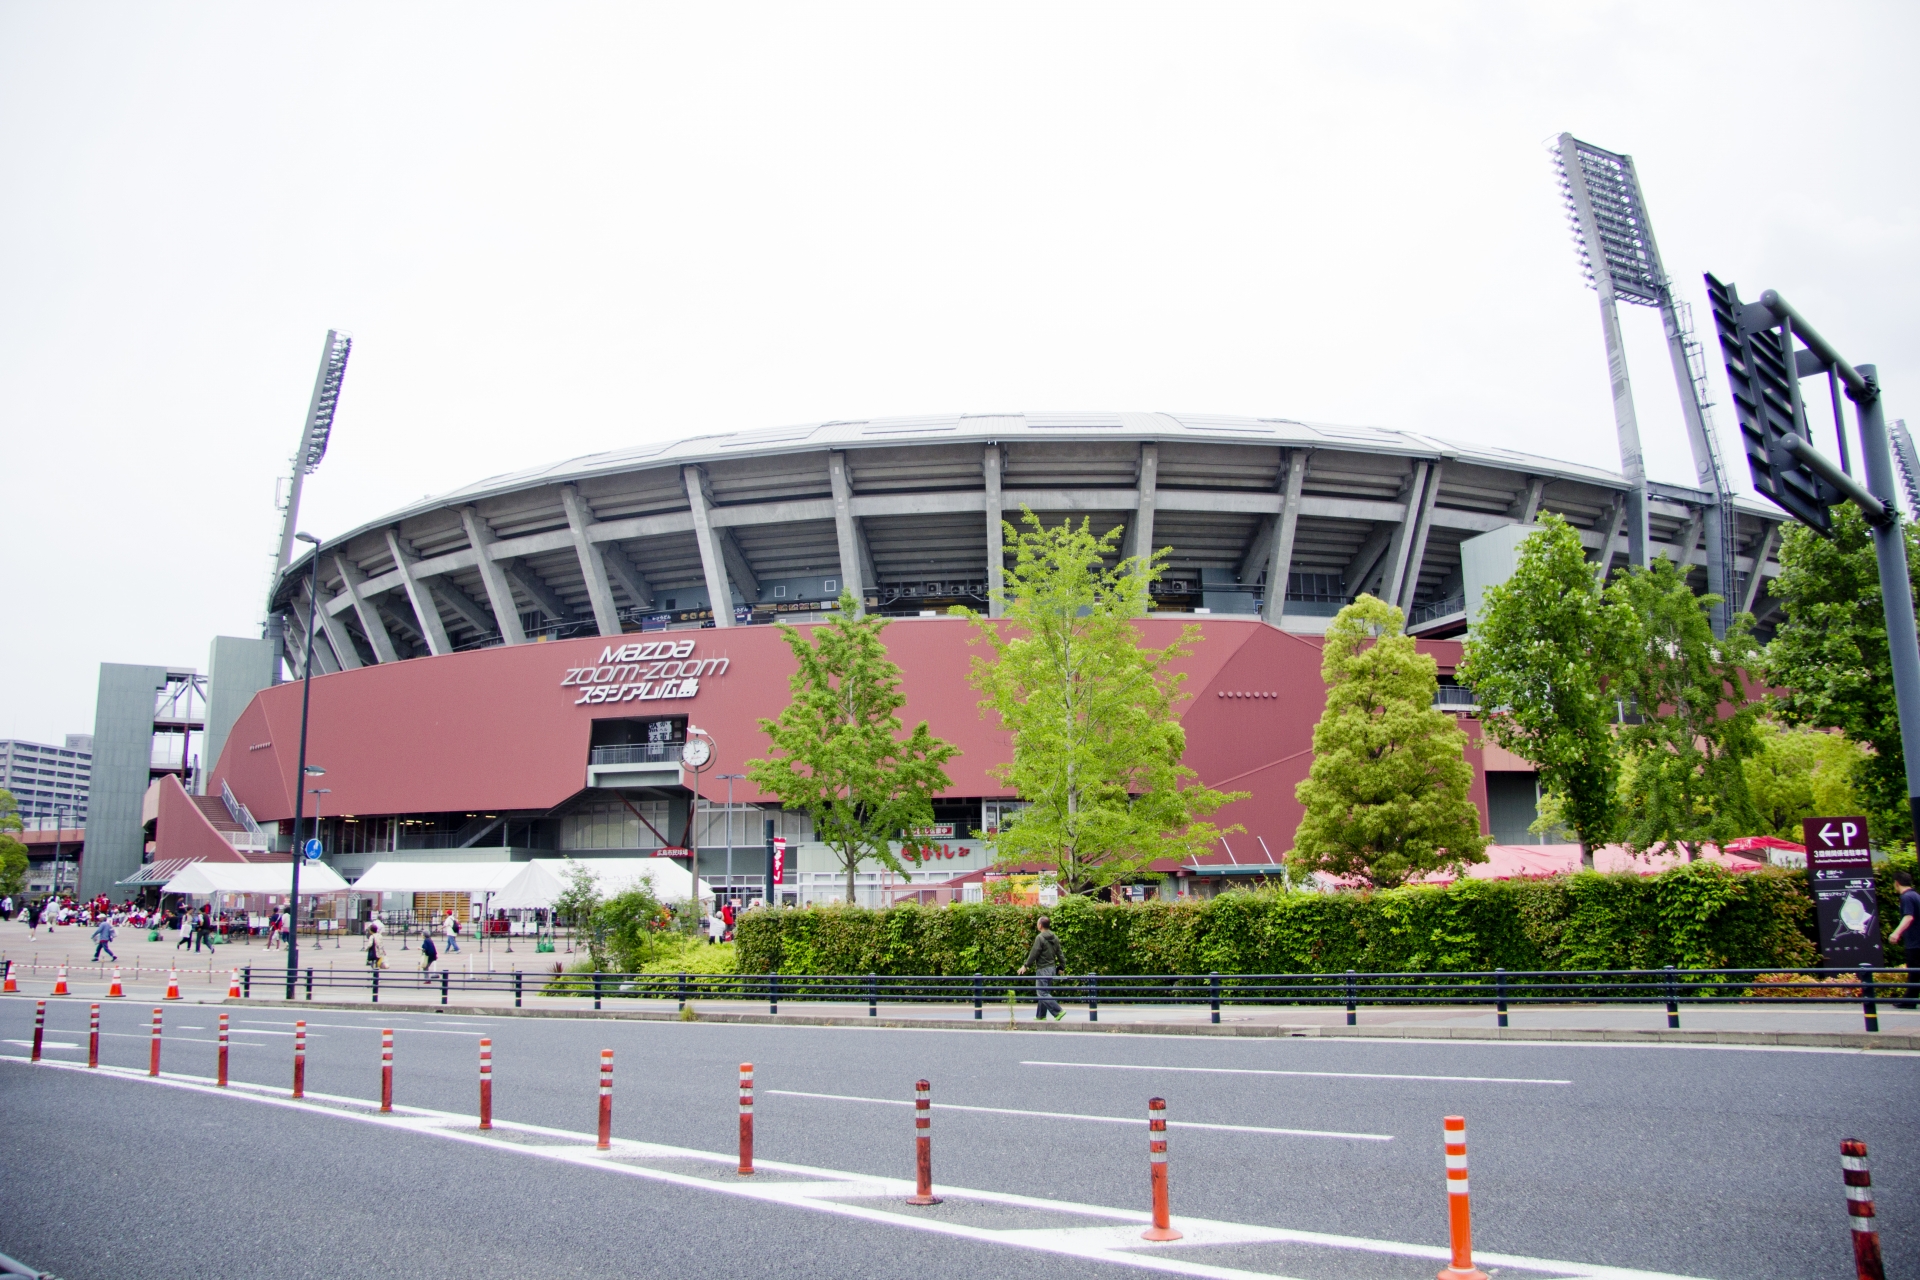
(420, 592)
(370, 620)
(631, 580)
(1754, 579)
(712, 562)
(847, 530)
(593, 564)
(1402, 545)
(1143, 510)
(339, 637)
(1423, 525)
(1273, 605)
(996, 536)
(506, 614)
(323, 652)
(1610, 528)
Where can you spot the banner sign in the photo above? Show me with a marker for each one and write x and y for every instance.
(1845, 902)
(779, 859)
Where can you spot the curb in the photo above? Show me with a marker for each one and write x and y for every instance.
(1885, 1041)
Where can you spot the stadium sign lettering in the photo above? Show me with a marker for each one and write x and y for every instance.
(660, 669)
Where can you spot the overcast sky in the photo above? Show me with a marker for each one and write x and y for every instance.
(556, 229)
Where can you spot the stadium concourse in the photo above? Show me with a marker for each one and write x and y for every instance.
(512, 670)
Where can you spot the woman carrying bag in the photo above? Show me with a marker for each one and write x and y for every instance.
(376, 946)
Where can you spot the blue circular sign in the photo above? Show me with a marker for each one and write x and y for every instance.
(312, 849)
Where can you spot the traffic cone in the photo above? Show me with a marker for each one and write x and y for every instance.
(233, 984)
(11, 985)
(114, 988)
(60, 982)
(173, 984)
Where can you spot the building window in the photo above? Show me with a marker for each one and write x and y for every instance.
(612, 824)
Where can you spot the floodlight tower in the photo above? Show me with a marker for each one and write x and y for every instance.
(314, 434)
(1622, 263)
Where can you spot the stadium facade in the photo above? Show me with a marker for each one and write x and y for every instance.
(466, 645)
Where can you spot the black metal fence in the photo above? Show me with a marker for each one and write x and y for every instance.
(1498, 989)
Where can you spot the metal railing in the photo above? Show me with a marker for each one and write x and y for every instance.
(636, 753)
(1436, 609)
(1497, 989)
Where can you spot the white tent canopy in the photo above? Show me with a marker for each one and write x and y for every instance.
(204, 878)
(437, 877)
(543, 880)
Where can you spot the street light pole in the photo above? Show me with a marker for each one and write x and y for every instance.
(300, 782)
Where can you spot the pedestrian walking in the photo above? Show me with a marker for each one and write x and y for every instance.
(1044, 958)
(103, 940)
(427, 953)
(450, 929)
(376, 945)
(6, 907)
(33, 919)
(716, 926)
(1908, 936)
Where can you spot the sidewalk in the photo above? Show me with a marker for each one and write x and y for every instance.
(144, 977)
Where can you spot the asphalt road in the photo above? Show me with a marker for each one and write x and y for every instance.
(1697, 1161)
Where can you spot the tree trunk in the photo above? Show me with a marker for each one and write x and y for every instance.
(1586, 856)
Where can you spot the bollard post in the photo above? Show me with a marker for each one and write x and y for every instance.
(1215, 984)
(375, 971)
(1459, 1207)
(683, 994)
(300, 1059)
(873, 995)
(93, 1035)
(979, 1003)
(773, 992)
(596, 990)
(386, 1069)
(1500, 996)
(1162, 1228)
(309, 984)
(443, 984)
(1093, 997)
(922, 1145)
(746, 1120)
(221, 1078)
(1867, 1005)
(39, 1027)
(153, 1055)
(605, 1142)
(516, 988)
(1673, 1008)
(246, 983)
(486, 1083)
(1866, 1228)
(1352, 1017)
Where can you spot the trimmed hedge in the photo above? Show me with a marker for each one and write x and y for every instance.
(1696, 916)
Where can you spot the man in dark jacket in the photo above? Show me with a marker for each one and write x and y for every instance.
(1044, 958)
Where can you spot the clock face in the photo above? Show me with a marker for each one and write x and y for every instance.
(696, 752)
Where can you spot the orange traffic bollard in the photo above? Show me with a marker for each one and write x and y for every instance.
(113, 988)
(1866, 1231)
(922, 1145)
(486, 1083)
(60, 982)
(173, 984)
(233, 984)
(1459, 1207)
(746, 1120)
(153, 1058)
(605, 1142)
(10, 985)
(93, 1035)
(386, 1069)
(39, 1027)
(1162, 1228)
(300, 1059)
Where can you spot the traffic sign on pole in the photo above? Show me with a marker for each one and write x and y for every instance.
(1845, 903)
(312, 848)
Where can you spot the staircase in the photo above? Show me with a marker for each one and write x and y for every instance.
(246, 843)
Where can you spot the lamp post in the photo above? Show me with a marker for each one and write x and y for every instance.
(316, 793)
(696, 754)
(300, 790)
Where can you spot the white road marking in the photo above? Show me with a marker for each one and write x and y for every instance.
(44, 1044)
(1331, 1075)
(351, 1026)
(1067, 1115)
(837, 1193)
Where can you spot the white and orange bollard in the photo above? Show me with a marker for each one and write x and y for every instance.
(60, 981)
(923, 1145)
(39, 1027)
(153, 1056)
(746, 1120)
(113, 988)
(1162, 1228)
(173, 984)
(93, 1035)
(486, 1083)
(300, 1059)
(10, 985)
(233, 984)
(1459, 1207)
(1867, 1264)
(221, 1079)
(605, 1140)
(386, 1069)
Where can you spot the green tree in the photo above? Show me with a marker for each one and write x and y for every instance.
(1696, 721)
(580, 899)
(1801, 773)
(13, 854)
(837, 750)
(1829, 653)
(631, 928)
(1094, 714)
(1539, 658)
(1387, 797)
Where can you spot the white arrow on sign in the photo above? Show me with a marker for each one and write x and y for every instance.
(1826, 835)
